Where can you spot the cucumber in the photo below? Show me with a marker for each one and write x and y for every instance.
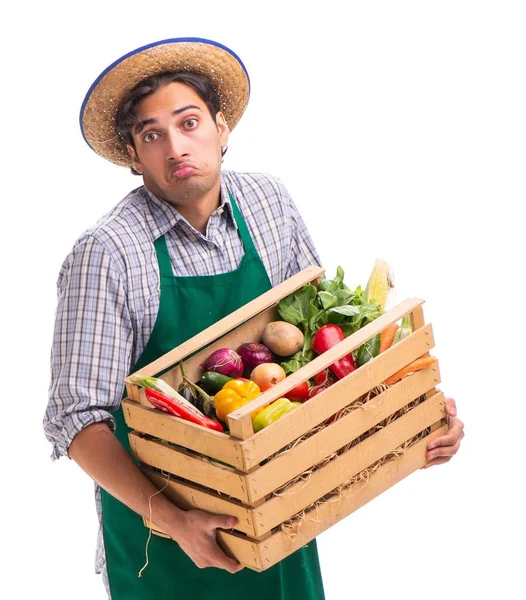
(213, 382)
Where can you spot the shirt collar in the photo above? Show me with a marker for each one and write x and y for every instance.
(164, 216)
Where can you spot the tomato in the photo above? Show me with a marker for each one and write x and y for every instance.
(320, 377)
(323, 377)
(266, 386)
(299, 393)
(315, 390)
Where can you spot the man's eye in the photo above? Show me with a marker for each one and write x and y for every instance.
(190, 123)
(150, 137)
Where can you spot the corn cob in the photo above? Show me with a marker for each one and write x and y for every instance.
(379, 284)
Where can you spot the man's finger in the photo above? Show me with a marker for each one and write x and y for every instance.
(223, 561)
(437, 461)
(451, 407)
(456, 432)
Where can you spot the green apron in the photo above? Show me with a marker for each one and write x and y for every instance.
(187, 306)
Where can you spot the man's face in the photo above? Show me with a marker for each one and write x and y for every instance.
(178, 150)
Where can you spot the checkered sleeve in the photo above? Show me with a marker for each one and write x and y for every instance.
(92, 345)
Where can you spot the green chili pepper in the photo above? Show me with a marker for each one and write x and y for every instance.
(369, 350)
(273, 412)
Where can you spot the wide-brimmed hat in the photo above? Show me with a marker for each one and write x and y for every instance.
(215, 61)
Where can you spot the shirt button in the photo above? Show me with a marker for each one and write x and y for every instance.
(210, 245)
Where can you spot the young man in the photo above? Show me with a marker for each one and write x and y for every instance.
(177, 254)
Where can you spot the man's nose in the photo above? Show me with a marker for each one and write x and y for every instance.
(175, 146)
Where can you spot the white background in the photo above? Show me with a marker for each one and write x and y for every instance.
(399, 128)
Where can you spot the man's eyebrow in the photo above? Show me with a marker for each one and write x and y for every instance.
(140, 126)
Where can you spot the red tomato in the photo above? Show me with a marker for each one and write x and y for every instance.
(266, 386)
(315, 390)
(299, 393)
(320, 377)
(323, 377)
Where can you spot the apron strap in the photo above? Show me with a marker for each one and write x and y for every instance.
(161, 248)
(163, 257)
(246, 238)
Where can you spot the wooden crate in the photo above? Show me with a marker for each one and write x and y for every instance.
(253, 468)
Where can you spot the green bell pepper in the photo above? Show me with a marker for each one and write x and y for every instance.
(273, 412)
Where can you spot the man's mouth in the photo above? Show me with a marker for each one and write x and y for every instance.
(182, 171)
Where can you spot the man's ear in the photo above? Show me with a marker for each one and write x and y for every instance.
(223, 129)
(134, 158)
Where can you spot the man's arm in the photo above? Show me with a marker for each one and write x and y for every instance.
(91, 355)
(98, 452)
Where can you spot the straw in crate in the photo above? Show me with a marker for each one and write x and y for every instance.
(303, 473)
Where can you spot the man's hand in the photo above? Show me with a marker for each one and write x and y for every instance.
(196, 535)
(442, 449)
(99, 453)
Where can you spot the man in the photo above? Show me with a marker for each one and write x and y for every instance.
(176, 255)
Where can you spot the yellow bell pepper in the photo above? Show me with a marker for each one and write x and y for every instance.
(234, 395)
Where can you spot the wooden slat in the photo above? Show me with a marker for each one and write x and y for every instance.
(227, 324)
(279, 545)
(240, 422)
(244, 550)
(259, 556)
(293, 425)
(187, 466)
(284, 467)
(177, 431)
(188, 496)
(348, 464)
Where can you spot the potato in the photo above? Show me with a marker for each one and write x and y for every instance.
(282, 338)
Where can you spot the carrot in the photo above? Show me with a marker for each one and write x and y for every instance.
(416, 365)
(387, 337)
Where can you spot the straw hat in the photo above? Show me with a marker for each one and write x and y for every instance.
(217, 62)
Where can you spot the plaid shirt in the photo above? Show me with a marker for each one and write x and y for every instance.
(108, 291)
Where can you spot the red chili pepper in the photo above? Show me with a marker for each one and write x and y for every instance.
(325, 338)
(299, 393)
(178, 409)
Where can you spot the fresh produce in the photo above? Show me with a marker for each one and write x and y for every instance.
(224, 361)
(180, 409)
(203, 401)
(234, 395)
(253, 355)
(379, 284)
(212, 382)
(317, 389)
(322, 381)
(187, 391)
(405, 329)
(273, 412)
(282, 338)
(156, 383)
(416, 365)
(268, 373)
(299, 393)
(387, 336)
(369, 350)
(332, 303)
(327, 337)
(324, 376)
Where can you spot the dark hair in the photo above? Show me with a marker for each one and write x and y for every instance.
(126, 118)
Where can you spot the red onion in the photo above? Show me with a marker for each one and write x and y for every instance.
(253, 354)
(226, 362)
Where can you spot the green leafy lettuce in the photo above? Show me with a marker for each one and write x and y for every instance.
(333, 302)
